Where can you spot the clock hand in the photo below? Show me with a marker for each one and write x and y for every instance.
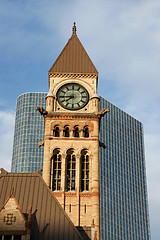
(64, 96)
(72, 96)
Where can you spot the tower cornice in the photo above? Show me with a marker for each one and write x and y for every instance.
(68, 115)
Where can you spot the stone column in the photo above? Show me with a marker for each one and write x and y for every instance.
(47, 162)
(49, 102)
(51, 169)
(63, 178)
(81, 133)
(78, 176)
(71, 133)
(61, 132)
(63, 173)
(95, 182)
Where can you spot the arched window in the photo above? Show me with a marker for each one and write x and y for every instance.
(84, 170)
(86, 132)
(71, 170)
(56, 131)
(66, 131)
(76, 131)
(56, 170)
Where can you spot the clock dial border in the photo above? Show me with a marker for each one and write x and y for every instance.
(72, 96)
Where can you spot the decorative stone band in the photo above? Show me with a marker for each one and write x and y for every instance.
(73, 75)
(68, 139)
(68, 116)
(71, 194)
(74, 194)
(85, 194)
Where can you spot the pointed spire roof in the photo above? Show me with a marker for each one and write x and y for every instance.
(74, 58)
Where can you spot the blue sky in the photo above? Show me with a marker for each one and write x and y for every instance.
(122, 37)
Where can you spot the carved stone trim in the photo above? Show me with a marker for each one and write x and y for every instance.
(85, 194)
(70, 194)
(102, 112)
(70, 138)
(73, 75)
(42, 111)
(69, 116)
(9, 219)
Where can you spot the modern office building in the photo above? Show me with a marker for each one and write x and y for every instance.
(120, 167)
(123, 192)
(28, 132)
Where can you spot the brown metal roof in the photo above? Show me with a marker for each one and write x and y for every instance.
(73, 58)
(49, 220)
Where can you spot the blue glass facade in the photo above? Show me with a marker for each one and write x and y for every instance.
(29, 131)
(123, 192)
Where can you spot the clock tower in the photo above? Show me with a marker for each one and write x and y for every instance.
(71, 143)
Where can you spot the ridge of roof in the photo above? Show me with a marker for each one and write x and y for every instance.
(73, 58)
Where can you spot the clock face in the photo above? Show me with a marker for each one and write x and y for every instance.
(72, 96)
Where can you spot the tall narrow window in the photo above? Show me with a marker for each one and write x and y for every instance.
(85, 208)
(56, 171)
(69, 207)
(76, 131)
(84, 171)
(66, 131)
(56, 131)
(86, 132)
(71, 170)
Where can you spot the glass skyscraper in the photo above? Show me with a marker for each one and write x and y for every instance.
(123, 193)
(28, 132)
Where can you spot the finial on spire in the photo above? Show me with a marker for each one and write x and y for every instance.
(74, 28)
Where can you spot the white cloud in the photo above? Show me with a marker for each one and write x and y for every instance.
(6, 138)
(152, 143)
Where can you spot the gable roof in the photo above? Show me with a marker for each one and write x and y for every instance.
(11, 217)
(74, 58)
(14, 205)
(49, 220)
